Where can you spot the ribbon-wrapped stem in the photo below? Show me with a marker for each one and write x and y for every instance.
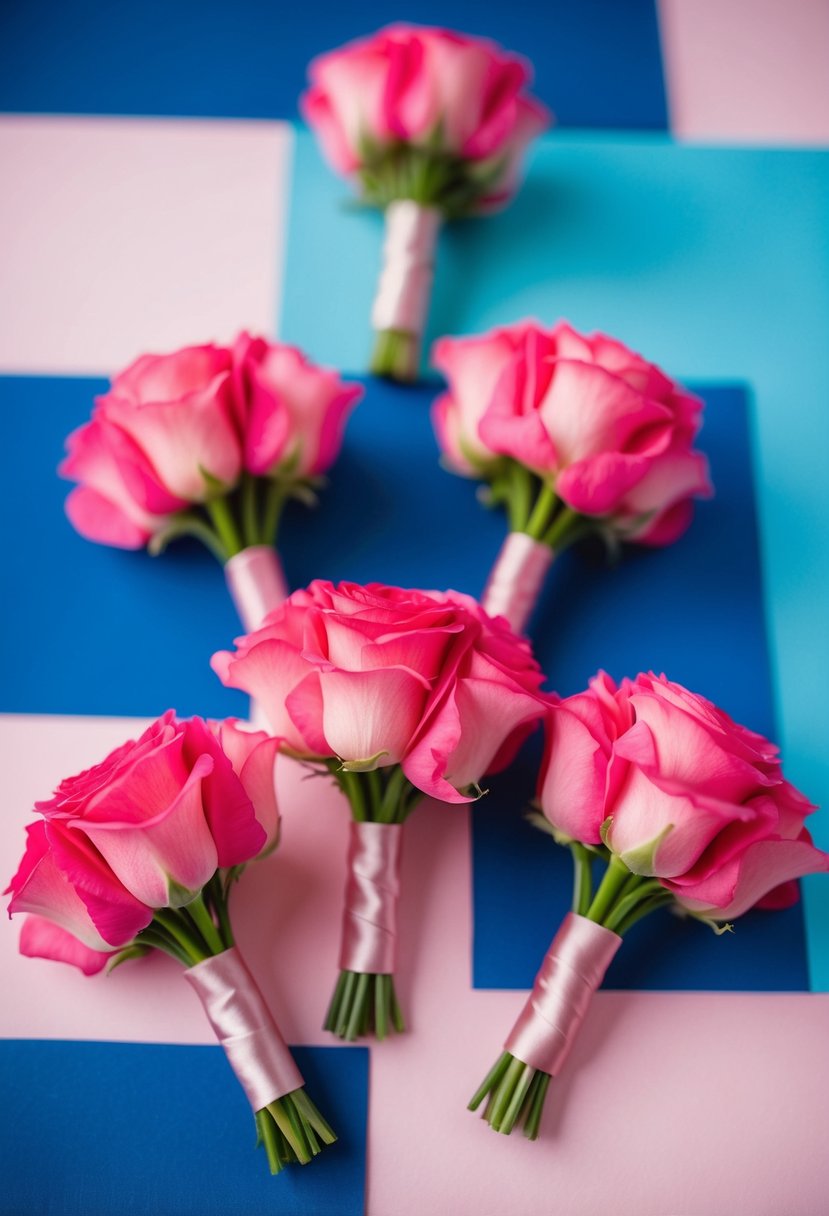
(289, 1126)
(404, 289)
(364, 1000)
(539, 1043)
(256, 584)
(516, 579)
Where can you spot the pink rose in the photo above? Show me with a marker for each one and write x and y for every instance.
(454, 95)
(146, 828)
(679, 792)
(177, 431)
(166, 421)
(609, 431)
(378, 676)
(290, 413)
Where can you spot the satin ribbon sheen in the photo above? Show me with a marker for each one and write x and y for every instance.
(369, 940)
(405, 285)
(516, 579)
(256, 584)
(572, 970)
(245, 1028)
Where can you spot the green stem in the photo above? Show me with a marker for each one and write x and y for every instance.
(268, 1135)
(491, 1080)
(222, 518)
(279, 1112)
(194, 948)
(539, 521)
(582, 878)
(374, 785)
(614, 879)
(188, 524)
(275, 496)
(352, 787)
(204, 923)
(516, 1102)
(630, 897)
(393, 804)
(644, 909)
(155, 937)
(519, 490)
(396, 355)
(218, 898)
(250, 514)
(536, 1107)
(312, 1116)
(503, 1096)
(556, 534)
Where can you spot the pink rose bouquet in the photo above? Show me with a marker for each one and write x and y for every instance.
(140, 853)
(677, 806)
(430, 125)
(396, 694)
(573, 434)
(211, 442)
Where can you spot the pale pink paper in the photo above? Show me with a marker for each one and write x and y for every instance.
(752, 71)
(745, 1076)
(125, 235)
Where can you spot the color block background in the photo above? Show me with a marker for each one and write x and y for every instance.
(130, 233)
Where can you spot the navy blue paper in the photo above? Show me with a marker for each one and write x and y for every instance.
(166, 1131)
(598, 62)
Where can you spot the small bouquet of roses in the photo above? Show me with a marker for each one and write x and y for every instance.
(675, 805)
(396, 694)
(430, 125)
(140, 853)
(209, 442)
(573, 434)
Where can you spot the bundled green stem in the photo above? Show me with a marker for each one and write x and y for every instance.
(533, 506)
(515, 1092)
(365, 1003)
(231, 520)
(290, 1129)
(396, 355)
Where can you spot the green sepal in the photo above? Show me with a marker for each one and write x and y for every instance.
(641, 859)
(362, 766)
(178, 896)
(134, 950)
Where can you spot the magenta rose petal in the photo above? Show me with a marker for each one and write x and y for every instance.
(669, 804)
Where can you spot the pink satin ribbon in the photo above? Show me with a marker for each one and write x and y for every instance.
(516, 579)
(256, 584)
(245, 1028)
(369, 940)
(405, 285)
(572, 970)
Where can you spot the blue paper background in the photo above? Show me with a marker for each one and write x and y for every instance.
(156, 1130)
(597, 62)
